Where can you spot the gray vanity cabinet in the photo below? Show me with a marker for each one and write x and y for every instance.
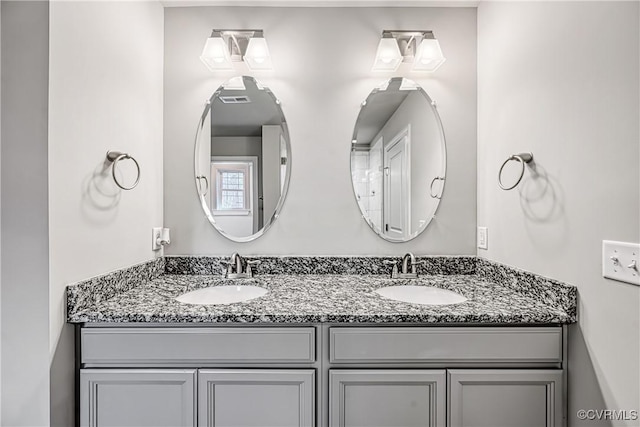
(236, 376)
(322, 376)
(260, 398)
(505, 398)
(137, 398)
(405, 376)
(387, 397)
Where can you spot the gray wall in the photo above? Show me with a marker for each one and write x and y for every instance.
(322, 59)
(0, 215)
(24, 224)
(236, 146)
(105, 91)
(561, 80)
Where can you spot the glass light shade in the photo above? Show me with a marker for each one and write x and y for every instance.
(383, 86)
(257, 55)
(388, 56)
(235, 83)
(409, 85)
(429, 56)
(215, 54)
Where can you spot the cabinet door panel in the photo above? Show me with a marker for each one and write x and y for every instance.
(256, 398)
(505, 398)
(137, 398)
(387, 398)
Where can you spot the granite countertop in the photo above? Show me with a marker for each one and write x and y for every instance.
(333, 298)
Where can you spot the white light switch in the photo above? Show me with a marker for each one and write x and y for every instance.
(483, 236)
(621, 261)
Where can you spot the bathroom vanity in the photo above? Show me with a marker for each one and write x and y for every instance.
(323, 349)
(339, 375)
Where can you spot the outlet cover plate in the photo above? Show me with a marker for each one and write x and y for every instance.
(483, 238)
(156, 232)
(618, 261)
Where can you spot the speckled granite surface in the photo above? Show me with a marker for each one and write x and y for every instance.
(548, 291)
(496, 295)
(322, 265)
(92, 292)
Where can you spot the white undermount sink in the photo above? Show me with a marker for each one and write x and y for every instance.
(226, 294)
(427, 295)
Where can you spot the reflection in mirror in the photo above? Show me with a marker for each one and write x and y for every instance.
(242, 159)
(398, 160)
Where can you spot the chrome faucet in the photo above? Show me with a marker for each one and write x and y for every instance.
(241, 266)
(238, 261)
(408, 270)
(409, 260)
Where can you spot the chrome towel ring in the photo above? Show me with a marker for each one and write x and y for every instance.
(433, 194)
(523, 158)
(114, 157)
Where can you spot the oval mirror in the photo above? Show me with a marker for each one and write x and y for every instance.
(398, 160)
(242, 159)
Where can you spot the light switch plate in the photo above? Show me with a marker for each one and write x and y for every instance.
(483, 238)
(621, 261)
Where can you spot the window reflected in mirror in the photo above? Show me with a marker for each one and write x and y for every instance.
(242, 159)
(232, 189)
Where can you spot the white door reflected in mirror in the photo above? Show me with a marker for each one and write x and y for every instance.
(398, 160)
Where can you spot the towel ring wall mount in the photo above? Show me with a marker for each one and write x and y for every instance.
(114, 157)
(524, 159)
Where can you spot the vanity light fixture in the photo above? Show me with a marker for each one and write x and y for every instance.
(224, 47)
(215, 54)
(257, 55)
(388, 56)
(429, 56)
(418, 47)
(234, 83)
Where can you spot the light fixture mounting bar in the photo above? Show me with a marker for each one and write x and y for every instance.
(408, 41)
(236, 41)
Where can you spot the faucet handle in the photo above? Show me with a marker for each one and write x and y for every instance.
(228, 268)
(249, 264)
(414, 263)
(394, 271)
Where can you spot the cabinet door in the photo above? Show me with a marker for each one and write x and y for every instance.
(387, 398)
(137, 398)
(505, 398)
(256, 398)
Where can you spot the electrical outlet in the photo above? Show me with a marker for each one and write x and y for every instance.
(483, 238)
(621, 261)
(156, 233)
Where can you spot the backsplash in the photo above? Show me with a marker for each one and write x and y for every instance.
(100, 288)
(547, 290)
(321, 265)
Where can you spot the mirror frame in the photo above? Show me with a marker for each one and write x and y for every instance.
(285, 188)
(432, 105)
